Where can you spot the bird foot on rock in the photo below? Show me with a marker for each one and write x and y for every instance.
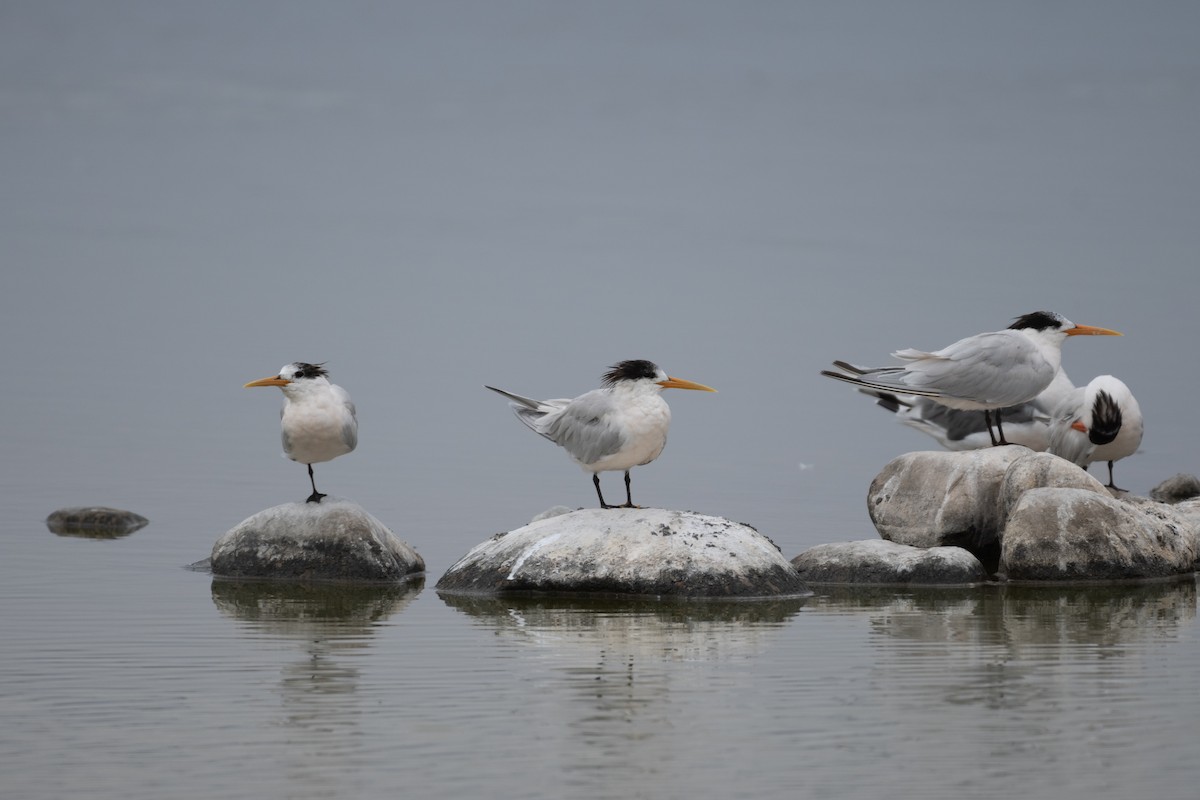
(315, 497)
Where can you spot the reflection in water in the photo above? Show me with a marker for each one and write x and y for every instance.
(621, 670)
(638, 627)
(321, 711)
(992, 647)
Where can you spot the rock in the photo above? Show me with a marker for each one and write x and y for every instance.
(1176, 489)
(936, 498)
(1042, 470)
(627, 551)
(335, 539)
(552, 511)
(1077, 534)
(97, 522)
(876, 561)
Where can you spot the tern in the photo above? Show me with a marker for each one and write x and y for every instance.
(986, 372)
(1027, 424)
(318, 420)
(1097, 422)
(619, 426)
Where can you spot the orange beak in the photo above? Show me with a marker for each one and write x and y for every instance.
(1079, 426)
(274, 380)
(680, 383)
(1091, 330)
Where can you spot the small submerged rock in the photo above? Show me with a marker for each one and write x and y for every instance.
(1176, 489)
(627, 551)
(96, 522)
(877, 561)
(332, 540)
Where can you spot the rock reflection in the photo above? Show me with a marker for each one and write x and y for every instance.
(1024, 615)
(641, 628)
(620, 670)
(998, 646)
(304, 610)
(319, 692)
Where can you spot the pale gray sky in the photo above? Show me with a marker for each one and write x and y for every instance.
(434, 196)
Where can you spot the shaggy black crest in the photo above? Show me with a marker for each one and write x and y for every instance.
(1106, 419)
(1038, 321)
(629, 371)
(305, 370)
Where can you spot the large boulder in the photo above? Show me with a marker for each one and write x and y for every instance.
(1076, 534)
(936, 498)
(332, 540)
(876, 561)
(627, 551)
(1039, 471)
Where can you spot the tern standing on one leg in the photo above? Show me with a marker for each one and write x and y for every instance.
(318, 419)
(617, 427)
(1098, 422)
(985, 372)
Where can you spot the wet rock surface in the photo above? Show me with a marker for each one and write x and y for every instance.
(1075, 534)
(636, 551)
(331, 540)
(938, 499)
(1025, 516)
(877, 561)
(97, 522)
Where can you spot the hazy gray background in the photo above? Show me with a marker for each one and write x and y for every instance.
(433, 196)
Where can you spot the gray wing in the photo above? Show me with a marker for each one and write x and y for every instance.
(585, 427)
(350, 424)
(350, 428)
(987, 368)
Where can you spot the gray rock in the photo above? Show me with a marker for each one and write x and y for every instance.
(1176, 489)
(97, 522)
(332, 540)
(552, 511)
(627, 551)
(1077, 534)
(1042, 470)
(876, 561)
(936, 498)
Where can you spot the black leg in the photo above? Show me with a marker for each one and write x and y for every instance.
(596, 480)
(628, 496)
(316, 496)
(1111, 484)
(987, 418)
(1000, 428)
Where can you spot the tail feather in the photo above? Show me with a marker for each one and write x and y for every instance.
(535, 405)
(861, 381)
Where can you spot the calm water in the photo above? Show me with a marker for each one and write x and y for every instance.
(124, 675)
(436, 196)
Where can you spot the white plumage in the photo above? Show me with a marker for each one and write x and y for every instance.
(318, 421)
(1098, 422)
(614, 428)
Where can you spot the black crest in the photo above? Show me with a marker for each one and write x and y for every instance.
(1037, 321)
(629, 371)
(305, 370)
(1106, 419)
